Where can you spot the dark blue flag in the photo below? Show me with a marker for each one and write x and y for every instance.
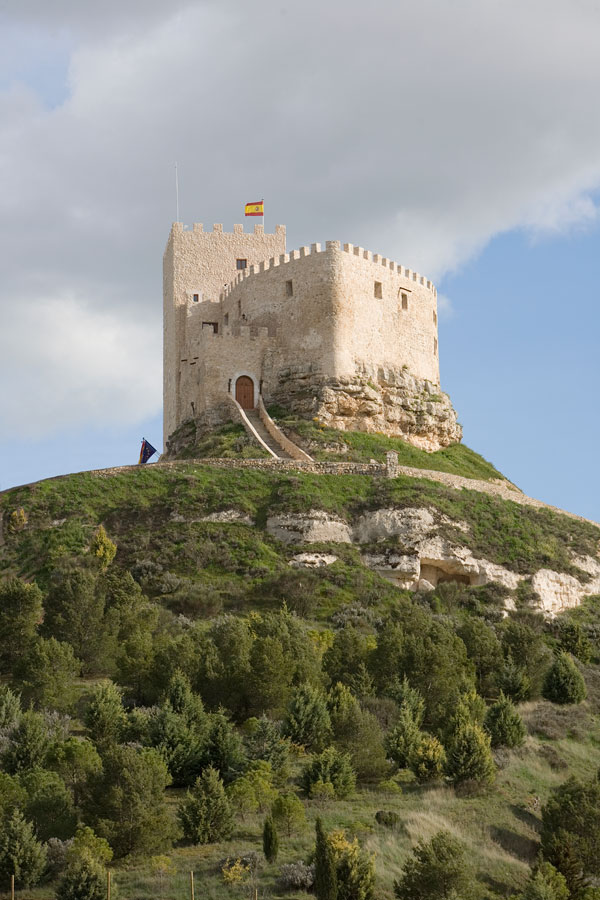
(146, 452)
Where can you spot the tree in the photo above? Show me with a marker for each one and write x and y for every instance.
(470, 756)
(288, 812)
(206, 815)
(307, 720)
(357, 732)
(75, 613)
(10, 709)
(355, 871)
(49, 805)
(85, 879)
(126, 803)
(545, 883)
(573, 811)
(87, 843)
(105, 716)
(29, 744)
(21, 854)
(333, 767)
(76, 760)
(20, 615)
(437, 869)
(224, 750)
(428, 759)
(325, 867)
(573, 640)
(46, 672)
(403, 739)
(102, 549)
(564, 682)
(254, 789)
(504, 724)
(562, 856)
(270, 840)
(485, 650)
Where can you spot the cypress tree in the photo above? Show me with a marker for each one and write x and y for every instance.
(325, 870)
(564, 683)
(270, 840)
(504, 724)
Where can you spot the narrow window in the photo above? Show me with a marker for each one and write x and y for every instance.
(239, 308)
(378, 291)
(209, 325)
(196, 297)
(434, 317)
(226, 319)
(435, 345)
(289, 289)
(241, 263)
(404, 301)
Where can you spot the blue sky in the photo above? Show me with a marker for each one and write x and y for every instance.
(471, 156)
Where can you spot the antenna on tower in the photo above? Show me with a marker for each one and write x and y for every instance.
(177, 193)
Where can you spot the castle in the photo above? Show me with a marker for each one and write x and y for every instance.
(339, 334)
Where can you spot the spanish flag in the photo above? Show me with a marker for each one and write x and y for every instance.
(255, 209)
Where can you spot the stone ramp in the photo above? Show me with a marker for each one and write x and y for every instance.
(255, 420)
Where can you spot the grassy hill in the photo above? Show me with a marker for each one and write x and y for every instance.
(191, 593)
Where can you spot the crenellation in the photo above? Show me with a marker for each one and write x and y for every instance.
(304, 251)
(218, 228)
(259, 229)
(198, 227)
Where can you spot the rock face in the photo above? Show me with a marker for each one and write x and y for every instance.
(388, 401)
(413, 555)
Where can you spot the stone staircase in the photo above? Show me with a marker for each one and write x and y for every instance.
(256, 422)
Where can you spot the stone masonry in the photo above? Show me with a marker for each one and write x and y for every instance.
(335, 333)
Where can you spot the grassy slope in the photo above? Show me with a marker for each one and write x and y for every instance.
(232, 564)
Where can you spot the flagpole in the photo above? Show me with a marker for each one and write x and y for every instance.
(177, 192)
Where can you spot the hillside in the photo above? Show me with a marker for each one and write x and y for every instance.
(265, 590)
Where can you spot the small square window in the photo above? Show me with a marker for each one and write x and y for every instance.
(289, 289)
(196, 297)
(404, 301)
(378, 291)
(241, 263)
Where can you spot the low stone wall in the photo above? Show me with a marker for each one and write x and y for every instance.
(277, 434)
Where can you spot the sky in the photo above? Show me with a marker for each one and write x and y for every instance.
(459, 139)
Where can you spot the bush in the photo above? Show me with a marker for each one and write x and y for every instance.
(545, 883)
(470, 756)
(564, 682)
(387, 818)
(574, 809)
(206, 815)
(333, 767)
(437, 869)
(428, 759)
(83, 880)
(21, 854)
(355, 870)
(403, 739)
(504, 724)
(297, 876)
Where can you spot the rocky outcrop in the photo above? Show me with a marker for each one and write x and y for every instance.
(388, 401)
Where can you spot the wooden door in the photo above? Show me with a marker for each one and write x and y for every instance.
(244, 392)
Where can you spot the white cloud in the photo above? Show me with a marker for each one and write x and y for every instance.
(417, 129)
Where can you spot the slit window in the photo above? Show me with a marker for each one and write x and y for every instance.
(378, 290)
(289, 289)
(435, 345)
(404, 300)
(241, 263)
(226, 319)
(434, 317)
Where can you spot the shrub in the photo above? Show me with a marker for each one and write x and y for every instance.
(470, 756)
(428, 759)
(355, 871)
(21, 854)
(438, 869)
(387, 818)
(206, 813)
(288, 812)
(573, 809)
(403, 739)
(564, 682)
(270, 840)
(297, 876)
(325, 881)
(83, 880)
(545, 883)
(504, 724)
(330, 766)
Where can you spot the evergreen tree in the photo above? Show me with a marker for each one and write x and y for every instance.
(21, 854)
(572, 815)
(561, 853)
(105, 716)
(437, 870)
(75, 613)
(10, 709)
(85, 879)
(29, 744)
(470, 756)
(21, 613)
(545, 883)
(325, 868)
(46, 673)
(270, 840)
(331, 767)
(224, 750)
(49, 805)
(504, 724)
(564, 682)
(288, 812)
(355, 871)
(206, 815)
(403, 739)
(307, 721)
(102, 549)
(428, 759)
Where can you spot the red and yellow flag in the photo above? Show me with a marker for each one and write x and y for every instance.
(255, 209)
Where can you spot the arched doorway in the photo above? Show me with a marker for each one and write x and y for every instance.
(244, 392)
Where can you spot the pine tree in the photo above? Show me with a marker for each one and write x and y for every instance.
(270, 840)
(325, 869)
(562, 855)
(504, 724)
(288, 811)
(206, 813)
(470, 756)
(438, 869)
(21, 854)
(85, 879)
(307, 721)
(564, 683)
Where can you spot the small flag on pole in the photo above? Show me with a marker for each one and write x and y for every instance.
(255, 209)
(146, 452)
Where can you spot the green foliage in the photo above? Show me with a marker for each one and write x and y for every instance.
(307, 720)
(205, 814)
(85, 879)
(437, 870)
(564, 682)
(29, 744)
(21, 854)
(485, 651)
(562, 856)
(325, 883)
(288, 812)
(10, 709)
(270, 840)
(102, 548)
(504, 724)
(333, 767)
(126, 803)
(45, 674)
(105, 717)
(355, 870)
(428, 759)
(49, 805)
(573, 812)
(525, 648)
(20, 615)
(264, 741)
(87, 843)
(572, 640)
(545, 883)
(403, 739)
(76, 760)
(469, 756)
(254, 789)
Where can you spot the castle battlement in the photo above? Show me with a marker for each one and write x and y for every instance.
(331, 330)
